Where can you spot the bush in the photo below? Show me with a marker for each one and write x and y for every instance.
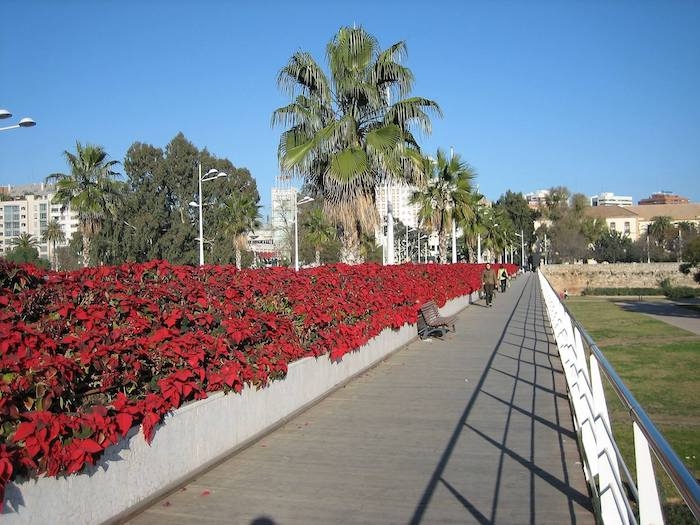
(678, 292)
(623, 291)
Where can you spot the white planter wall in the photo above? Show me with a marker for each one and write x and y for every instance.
(190, 439)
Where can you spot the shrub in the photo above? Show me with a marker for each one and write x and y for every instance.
(623, 291)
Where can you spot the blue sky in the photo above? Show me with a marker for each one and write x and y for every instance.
(594, 95)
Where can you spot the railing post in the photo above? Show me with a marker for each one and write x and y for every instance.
(649, 501)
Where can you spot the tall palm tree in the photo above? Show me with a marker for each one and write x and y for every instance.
(345, 135)
(53, 234)
(242, 217)
(473, 227)
(318, 231)
(91, 189)
(446, 196)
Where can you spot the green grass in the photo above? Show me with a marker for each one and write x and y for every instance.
(659, 364)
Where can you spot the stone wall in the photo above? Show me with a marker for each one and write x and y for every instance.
(576, 277)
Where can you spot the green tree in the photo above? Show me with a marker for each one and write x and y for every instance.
(154, 219)
(691, 254)
(446, 196)
(242, 218)
(351, 130)
(613, 247)
(318, 231)
(52, 235)
(521, 217)
(91, 189)
(25, 251)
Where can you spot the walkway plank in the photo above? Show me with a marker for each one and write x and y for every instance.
(475, 428)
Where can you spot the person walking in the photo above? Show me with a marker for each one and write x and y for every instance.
(503, 278)
(488, 282)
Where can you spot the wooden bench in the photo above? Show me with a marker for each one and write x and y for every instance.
(430, 321)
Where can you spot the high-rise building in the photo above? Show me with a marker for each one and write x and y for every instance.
(284, 200)
(399, 194)
(29, 211)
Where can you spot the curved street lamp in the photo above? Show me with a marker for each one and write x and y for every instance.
(26, 122)
(211, 175)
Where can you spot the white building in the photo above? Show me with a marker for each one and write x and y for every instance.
(610, 199)
(537, 198)
(30, 213)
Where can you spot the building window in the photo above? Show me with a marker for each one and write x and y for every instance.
(612, 226)
(11, 221)
(627, 228)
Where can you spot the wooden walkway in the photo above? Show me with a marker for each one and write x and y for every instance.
(474, 428)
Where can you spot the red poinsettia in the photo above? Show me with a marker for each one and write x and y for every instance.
(86, 355)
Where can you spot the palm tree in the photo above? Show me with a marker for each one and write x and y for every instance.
(318, 231)
(445, 197)
(242, 217)
(24, 240)
(52, 235)
(345, 136)
(473, 227)
(90, 189)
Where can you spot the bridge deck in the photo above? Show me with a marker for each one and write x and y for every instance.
(475, 428)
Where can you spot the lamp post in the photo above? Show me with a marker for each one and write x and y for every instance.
(305, 200)
(211, 175)
(26, 122)
(522, 249)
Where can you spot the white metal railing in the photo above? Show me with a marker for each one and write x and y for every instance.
(607, 474)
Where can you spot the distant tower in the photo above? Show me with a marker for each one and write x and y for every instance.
(284, 198)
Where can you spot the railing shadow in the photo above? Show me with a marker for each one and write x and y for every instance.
(523, 376)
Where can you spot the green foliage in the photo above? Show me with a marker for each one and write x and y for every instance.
(447, 195)
(613, 247)
(154, 219)
(521, 217)
(678, 292)
(91, 189)
(27, 254)
(352, 128)
(691, 256)
(623, 291)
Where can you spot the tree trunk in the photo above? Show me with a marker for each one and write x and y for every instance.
(442, 236)
(238, 257)
(318, 257)
(350, 249)
(86, 250)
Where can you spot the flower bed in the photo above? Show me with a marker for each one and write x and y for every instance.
(87, 355)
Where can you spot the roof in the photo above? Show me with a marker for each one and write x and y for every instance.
(646, 212)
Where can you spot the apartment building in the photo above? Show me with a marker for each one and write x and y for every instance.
(29, 210)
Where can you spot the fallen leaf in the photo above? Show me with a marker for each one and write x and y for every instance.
(205, 493)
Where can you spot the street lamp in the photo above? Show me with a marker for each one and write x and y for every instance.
(26, 122)
(211, 175)
(305, 200)
(522, 249)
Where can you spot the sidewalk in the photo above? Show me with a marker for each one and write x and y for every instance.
(475, 428)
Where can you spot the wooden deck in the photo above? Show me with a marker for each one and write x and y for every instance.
(473, 428)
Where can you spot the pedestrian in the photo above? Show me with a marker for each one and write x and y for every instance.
(488, 282)
(503, 278)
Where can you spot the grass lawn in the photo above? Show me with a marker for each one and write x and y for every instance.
(659, 363)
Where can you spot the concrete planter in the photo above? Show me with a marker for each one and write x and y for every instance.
(191, 439)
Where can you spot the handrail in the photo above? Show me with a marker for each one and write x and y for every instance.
(679, 474)
(684, 481)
